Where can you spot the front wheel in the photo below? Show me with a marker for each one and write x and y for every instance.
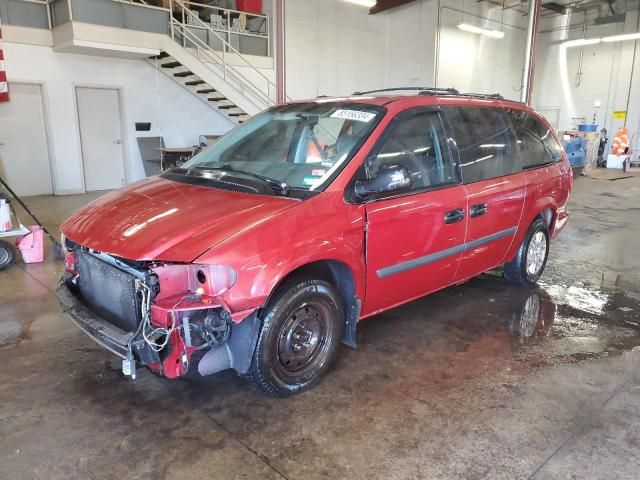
(302, 327)
(527, 266)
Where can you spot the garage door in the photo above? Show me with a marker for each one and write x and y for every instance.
(24, 147)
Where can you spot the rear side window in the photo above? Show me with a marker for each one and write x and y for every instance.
(417, 143)
(486, 142)
(538, 145)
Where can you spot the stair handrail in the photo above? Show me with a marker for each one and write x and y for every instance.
(214, 53)
(203, 48)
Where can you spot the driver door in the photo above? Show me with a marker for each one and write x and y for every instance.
(414, 238)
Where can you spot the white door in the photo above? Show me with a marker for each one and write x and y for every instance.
(100, 120)
(24, 147)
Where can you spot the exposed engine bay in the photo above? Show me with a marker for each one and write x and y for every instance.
(154, 314)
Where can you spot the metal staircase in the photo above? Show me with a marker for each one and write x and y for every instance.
(208, 73)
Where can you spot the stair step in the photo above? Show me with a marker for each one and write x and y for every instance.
(216, 99)
(186, 73)
(206, 90)
(194, 82)
(173, 64)
(236, 114)
(159, 57)
(226, 107)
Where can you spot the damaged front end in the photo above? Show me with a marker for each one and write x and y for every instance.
(159, 315)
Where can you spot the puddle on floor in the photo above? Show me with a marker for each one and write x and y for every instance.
(12, 332)
(557, 322)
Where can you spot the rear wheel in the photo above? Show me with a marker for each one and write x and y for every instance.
(302, 327)
(528, 265)
(7, 255)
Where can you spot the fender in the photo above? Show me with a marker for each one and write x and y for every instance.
(262, 256)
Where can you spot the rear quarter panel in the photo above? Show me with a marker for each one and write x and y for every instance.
(546, 188)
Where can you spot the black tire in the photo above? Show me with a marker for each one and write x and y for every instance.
(516, 271)
(7, 255)
(306, 315)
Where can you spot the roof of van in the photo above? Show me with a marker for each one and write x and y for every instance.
(386, 96)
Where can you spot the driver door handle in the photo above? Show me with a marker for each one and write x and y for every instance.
(477, 210)
(454, 216)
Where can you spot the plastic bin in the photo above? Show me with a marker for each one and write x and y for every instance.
(587, 127)
(31, 246)
(251, 6)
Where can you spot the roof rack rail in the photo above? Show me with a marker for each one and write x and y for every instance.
(450, 91)
(496, 96)
(434, 91)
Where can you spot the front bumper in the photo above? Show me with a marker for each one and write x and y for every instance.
(102, 332)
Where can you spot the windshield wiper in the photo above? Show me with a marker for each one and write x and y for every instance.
(282, 186)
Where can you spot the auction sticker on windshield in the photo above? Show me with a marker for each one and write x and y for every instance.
(357, 115)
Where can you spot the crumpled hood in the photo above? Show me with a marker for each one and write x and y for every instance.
(159, 219)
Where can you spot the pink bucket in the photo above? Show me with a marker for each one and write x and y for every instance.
(31, 246)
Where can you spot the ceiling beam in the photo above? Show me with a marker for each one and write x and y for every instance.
(383, 5)
(555, 7)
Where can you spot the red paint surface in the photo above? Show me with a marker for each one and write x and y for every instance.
(265, 238)
(158, 219)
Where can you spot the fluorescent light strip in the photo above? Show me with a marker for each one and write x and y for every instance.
(482, 31)
(363, 3)
(593, 41)
(581, 42)
(621, 38)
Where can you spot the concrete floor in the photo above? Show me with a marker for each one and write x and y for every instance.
(460, 384)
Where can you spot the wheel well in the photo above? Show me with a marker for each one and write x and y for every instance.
(547, 215)
(341, 277)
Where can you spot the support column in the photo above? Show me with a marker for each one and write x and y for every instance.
(530, 54)
(280, 53)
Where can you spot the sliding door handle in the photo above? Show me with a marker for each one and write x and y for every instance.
(454, 216)
(477, 210)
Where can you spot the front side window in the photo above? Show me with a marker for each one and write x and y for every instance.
(486, 142)
(417, 143)
(538, 145)
(299, 145)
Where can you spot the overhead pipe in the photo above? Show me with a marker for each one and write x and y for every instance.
(530, 53)
(281, 63)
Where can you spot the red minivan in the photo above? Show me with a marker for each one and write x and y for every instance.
(263, 253)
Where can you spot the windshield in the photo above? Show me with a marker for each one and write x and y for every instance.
(296, 146)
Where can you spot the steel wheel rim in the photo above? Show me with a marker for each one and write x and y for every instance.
(303, 339)
(536, 253)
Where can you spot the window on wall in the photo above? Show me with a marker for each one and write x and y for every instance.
(486, 142)
(417, 143)
(538, 146)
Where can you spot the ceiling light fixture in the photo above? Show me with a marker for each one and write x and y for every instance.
(363, 3)
(581, 42)
(621, 38)
(482, 31)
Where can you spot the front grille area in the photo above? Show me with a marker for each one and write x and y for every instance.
(109, 291)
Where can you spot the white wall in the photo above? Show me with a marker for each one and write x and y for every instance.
(335, 48)
(174, 114)
(606, 75)
(478, 63)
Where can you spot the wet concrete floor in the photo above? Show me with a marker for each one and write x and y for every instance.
(482, 380)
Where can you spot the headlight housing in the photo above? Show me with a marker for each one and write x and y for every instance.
(203, 279)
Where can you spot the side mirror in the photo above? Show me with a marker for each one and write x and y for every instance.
(390, 177)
